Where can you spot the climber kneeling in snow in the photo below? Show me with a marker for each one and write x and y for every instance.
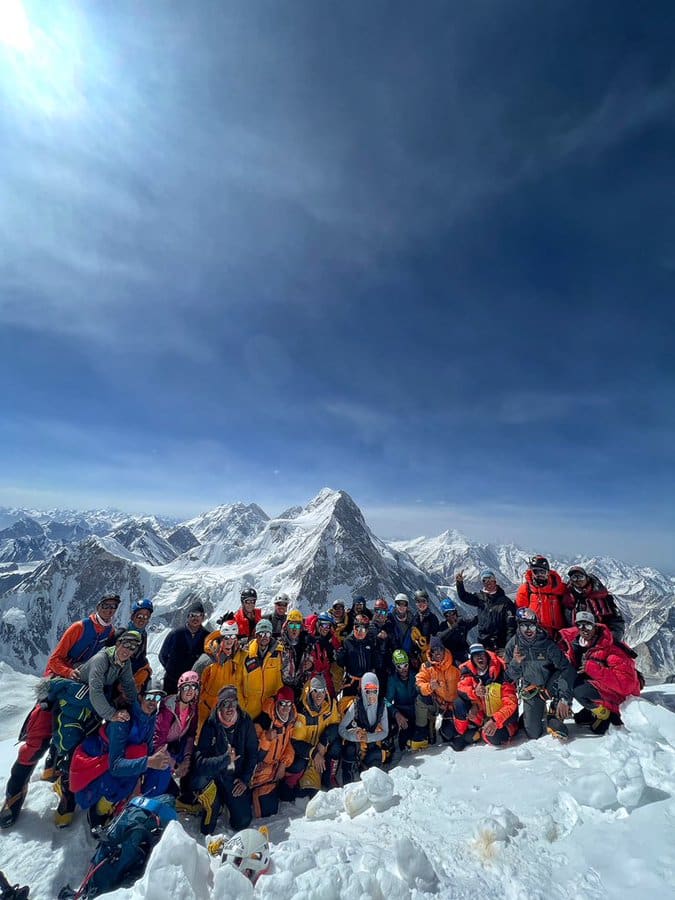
(540, 670)
(606, 672)
(316, 742)
(363, 729)
(437, 684)
(224, 761)
(487, 704)
(107, 766)
(274, 727)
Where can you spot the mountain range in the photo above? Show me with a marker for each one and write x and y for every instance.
(316, 553)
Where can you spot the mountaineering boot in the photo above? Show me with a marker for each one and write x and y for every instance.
(419, 745)
(187, 803)
(11, 808)
(65, 811)
(49, 772)
(556, 728)
(458, 743)
(584, 717)
(207, 801)
(601, 720)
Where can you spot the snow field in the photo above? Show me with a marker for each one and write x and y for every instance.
(592, 818)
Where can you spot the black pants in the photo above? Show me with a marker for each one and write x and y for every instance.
(240, 809)
(354, 759)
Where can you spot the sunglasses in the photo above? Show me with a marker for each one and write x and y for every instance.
(585, 626)
(108, 606)
(129, 645)
(228, 704)
(195, 615)
(285, 704)
(577, 576)
(360, 628)
(250, 600)
(295, 626)
(371, 690)
(539, 571)
(153, 697)
(489, 578)
(142, 615)
(403, 666)
(527, 626)
(189, 687)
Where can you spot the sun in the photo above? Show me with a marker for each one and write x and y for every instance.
(14, 26)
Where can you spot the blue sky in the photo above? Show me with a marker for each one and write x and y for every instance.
(424, 255)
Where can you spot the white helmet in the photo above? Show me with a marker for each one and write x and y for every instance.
(248, 851)
(229, 629)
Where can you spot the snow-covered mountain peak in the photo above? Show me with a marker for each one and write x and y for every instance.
(229, 522)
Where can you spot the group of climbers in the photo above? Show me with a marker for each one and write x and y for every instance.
(267, 708)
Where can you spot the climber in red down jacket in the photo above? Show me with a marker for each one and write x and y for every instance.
(606, 672)
(544, 592)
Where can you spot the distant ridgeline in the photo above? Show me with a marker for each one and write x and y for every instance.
(55, 565)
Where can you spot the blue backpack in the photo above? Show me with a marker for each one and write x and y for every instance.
(124, 846)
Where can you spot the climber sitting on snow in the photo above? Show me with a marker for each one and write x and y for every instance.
(487, 704)
(606, 673)
(364, 727)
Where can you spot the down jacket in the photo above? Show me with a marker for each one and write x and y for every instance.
(469, 679)
(607, 665)
(445, 674)
(548, 601)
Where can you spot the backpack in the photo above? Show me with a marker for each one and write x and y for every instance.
(124, 846)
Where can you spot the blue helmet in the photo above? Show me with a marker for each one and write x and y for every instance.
(486, 573)
(448, 605)
(138, 605)
(325, 618)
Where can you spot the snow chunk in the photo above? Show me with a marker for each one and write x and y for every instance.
(524, 753)
(414, 866)
(178, 867)
(356, 800)
(325, 805)
(596, 790)
(379, 787)
(230, 882)
(655, 723)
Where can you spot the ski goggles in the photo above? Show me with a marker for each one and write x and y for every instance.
(294, 626)
(227, 705)
(189, 687)
(153, 696)
(129, 645)
(284, 704)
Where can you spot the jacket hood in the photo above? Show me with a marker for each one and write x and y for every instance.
(270, 707)
(368, 678)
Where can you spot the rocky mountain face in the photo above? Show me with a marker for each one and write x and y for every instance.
(316, 553)
(63, 590)
(143, 538)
